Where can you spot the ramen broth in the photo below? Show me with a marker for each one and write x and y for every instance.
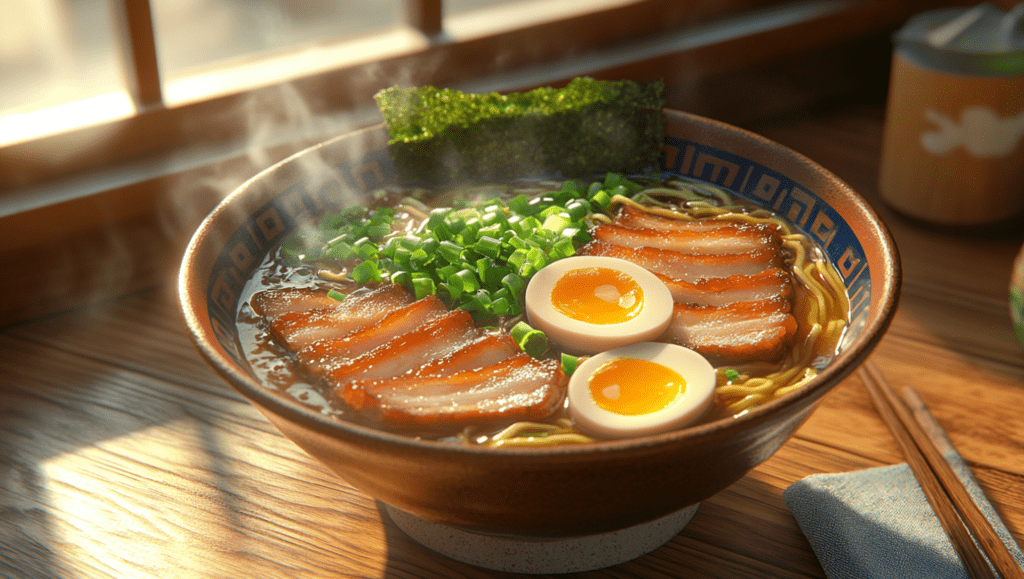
(818, 305)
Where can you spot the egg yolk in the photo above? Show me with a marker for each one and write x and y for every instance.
(634, 387)
(598, 295)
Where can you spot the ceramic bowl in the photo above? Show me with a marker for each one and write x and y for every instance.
(1017, 295)
(539, 492)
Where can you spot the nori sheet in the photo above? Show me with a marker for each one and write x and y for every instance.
(444, 136)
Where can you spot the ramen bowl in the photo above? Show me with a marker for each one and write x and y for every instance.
(556, 494)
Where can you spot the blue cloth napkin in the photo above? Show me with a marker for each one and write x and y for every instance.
(877, 524)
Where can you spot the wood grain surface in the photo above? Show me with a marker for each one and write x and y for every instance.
(123, 455)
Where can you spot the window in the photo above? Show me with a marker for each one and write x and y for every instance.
(58, 56)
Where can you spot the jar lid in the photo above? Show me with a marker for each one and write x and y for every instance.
(982, 40)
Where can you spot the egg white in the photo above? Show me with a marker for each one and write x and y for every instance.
(686, 409)
(579, 337)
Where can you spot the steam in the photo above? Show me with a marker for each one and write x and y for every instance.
(278, 122)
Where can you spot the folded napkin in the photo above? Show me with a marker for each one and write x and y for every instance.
(877, 524)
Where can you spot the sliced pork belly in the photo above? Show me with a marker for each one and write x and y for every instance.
(735, 333)
(438, 338)
(489, 349)
(727, 279)
(519, 388)
(639, 219)
(719, 291)
(687, 267)
(730, 238)
(277, 301)
(322, 355)
(298, 329)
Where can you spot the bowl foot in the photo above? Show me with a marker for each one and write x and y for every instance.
(537, 556)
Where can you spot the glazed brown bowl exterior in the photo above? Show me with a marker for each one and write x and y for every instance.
(560, 491)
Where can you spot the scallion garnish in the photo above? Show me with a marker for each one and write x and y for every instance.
(478, 257)
(531, 340)
(569, 363)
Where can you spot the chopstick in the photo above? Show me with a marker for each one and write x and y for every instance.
(967, 527)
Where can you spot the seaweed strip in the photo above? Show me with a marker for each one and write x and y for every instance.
(444, 136)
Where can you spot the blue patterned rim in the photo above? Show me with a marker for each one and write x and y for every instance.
(300, 203)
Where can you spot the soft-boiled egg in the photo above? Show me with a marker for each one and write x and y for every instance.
(640, 389)
(588, 304)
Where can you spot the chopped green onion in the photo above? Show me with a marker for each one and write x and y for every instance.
(532, 341)
(402, 278)
(518, 243)
(537, 258)
(451, 252)
(447, 271)
(366, 272)
(336, 295)
(563, 248)
(569, 363)
(477, 256)
(366, 248)
(423, 287)
(501, 306)
(436, 218)
(467, 280)
(578, 209)
(619, 190)
(557, 222)
(514, 284)
(419, 258)
(482, 300)
(488, 246)
(518, 258)
(341, 251)
(601, 199)
(378, 231)
(731, 374)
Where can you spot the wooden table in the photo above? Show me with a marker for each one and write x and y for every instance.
(123, 455)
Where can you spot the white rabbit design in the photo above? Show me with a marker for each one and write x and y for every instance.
(981, 131)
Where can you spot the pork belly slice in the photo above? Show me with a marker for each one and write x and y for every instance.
(322, 355)
(277, 301)
(438, 338)
(689, 268)
(298, 329)
(771, 283)
(489, 349)
(519, 388)
(734, 334)
(730, 238)
(638, 218)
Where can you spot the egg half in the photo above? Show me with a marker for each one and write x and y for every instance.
(641, 389)
(588, 304)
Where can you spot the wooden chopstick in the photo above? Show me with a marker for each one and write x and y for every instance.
(967, 527)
